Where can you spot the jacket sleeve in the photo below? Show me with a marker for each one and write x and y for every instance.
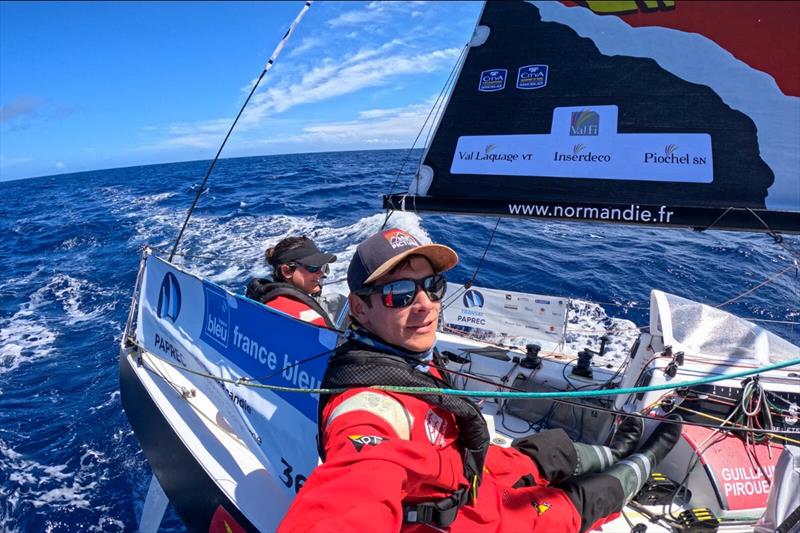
(362, 484)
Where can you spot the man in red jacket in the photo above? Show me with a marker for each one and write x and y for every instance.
(402, 462)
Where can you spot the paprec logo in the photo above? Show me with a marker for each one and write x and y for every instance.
(169, 298)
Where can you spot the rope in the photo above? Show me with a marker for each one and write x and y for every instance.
(499, 394)
(266, 69)
(765, 282)
(246, 382)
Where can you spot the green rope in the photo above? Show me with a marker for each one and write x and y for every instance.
(497, 394)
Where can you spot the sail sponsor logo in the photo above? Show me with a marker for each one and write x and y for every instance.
(671, 157)
(400, 239)
(584, 123)
(489, 154)
(471, 317)
(493, 80)
(473, 298)
(216, 319)
(169, 298)
(167, 348)
(532, 77)
(579, 154)
(634, 213)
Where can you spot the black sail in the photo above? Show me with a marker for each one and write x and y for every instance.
(572, 113)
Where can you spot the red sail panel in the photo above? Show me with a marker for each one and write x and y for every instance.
(764, 34)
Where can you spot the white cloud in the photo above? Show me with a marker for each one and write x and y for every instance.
(377, 128)
(375, 13)
(362, 69)
(330, 80)
(305, 45)
(59, 165)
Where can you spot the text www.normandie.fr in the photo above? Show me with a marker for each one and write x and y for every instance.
(634, 213)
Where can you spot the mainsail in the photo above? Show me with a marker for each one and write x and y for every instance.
(662, 113)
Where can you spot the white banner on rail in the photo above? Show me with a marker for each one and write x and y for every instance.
(200, 326)
(505, 313)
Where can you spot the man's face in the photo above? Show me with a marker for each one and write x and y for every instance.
(412, 327)
(304, 280)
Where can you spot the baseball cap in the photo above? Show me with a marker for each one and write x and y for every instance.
(381, 252)
(306, 253)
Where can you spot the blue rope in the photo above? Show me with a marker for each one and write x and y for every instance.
(595, 393)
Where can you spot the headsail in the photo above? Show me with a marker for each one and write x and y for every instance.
(663, 113)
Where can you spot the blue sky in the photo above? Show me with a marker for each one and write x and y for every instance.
(92, 85)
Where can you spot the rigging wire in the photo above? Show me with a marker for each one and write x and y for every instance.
(765, 282)
(266, 69)
(469, 283)
(439, 103)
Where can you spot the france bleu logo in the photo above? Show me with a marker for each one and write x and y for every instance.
(216, 318)
(169, 298)
(532, 77)
(492, 80)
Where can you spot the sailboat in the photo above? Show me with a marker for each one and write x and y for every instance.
(656, 114)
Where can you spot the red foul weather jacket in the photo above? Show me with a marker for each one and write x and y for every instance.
(385, 449)
(297, 309)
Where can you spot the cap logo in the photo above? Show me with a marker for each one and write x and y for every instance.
(400, 239)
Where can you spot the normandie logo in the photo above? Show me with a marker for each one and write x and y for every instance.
(584, 122)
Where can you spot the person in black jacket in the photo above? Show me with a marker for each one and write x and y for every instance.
(298, 270)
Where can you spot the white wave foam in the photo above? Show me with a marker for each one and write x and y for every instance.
(239, 243)
(78, 297)
(40, 485)
(587, 322)
(113, 398)
(76, 242)
(27, 335)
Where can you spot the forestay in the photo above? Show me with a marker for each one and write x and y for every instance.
(668, 113)
(197, 325)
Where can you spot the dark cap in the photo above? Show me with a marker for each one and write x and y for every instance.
(381, 252)
(306, 253)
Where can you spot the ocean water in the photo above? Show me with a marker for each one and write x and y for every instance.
(70, 250)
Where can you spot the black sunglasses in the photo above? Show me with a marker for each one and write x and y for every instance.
(402, 292)
(311, 268)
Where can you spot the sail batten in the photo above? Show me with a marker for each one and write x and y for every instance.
(563, 112)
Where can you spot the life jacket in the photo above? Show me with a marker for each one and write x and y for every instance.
(355, 365)
(264, 290)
